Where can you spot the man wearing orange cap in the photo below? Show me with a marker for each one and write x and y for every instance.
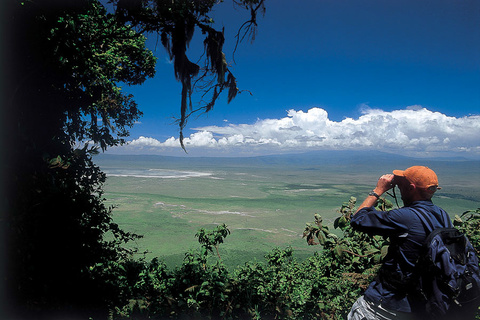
(392, 294)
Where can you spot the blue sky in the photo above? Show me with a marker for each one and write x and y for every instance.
(399, 76)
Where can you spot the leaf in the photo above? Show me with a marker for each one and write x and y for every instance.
(332, 236)
(342, 223)
(336, 223)
(457, 221)
(338, 250)
(384, 251)
(55, 162)
(321, 238)
(372, 251)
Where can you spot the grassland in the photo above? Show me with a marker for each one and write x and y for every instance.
(265, 202)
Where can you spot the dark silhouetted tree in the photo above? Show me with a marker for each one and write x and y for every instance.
(65, 63)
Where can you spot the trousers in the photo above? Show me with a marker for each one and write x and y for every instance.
(366, 310)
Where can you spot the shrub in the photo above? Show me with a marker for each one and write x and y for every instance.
(324, 286)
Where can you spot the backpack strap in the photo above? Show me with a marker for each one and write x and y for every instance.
(427, 219)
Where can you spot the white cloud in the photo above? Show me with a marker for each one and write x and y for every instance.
(145, 142)
(414, 129)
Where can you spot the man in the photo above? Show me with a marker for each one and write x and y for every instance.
(392, 294)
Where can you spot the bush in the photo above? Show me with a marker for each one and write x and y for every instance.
(324, 286)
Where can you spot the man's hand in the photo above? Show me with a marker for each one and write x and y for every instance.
(384, 184)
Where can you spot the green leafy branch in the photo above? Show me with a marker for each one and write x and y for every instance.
(356, 249)
(211, 239)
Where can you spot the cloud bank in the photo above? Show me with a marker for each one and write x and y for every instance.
(414, 130)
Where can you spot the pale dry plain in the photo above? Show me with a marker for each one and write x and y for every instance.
(265, 201)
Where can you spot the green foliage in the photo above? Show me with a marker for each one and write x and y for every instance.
(323, 286)
(356, 250)
(71, 61)
(212, 239)
(469, 223)
(67, 62)
(349, 262)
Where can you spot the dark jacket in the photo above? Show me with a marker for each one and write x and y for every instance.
(407, 234)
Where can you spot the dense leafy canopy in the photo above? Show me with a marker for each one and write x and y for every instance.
(67, 62)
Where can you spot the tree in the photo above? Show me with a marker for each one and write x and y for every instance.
(67, 62)
(175, 23)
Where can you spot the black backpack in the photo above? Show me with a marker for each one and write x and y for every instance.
(449, 272)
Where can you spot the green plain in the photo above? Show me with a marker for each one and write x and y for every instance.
(264, 204)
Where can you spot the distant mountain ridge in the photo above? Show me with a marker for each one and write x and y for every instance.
(348, 160)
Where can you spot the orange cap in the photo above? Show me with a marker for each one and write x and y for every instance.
(420, 176)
